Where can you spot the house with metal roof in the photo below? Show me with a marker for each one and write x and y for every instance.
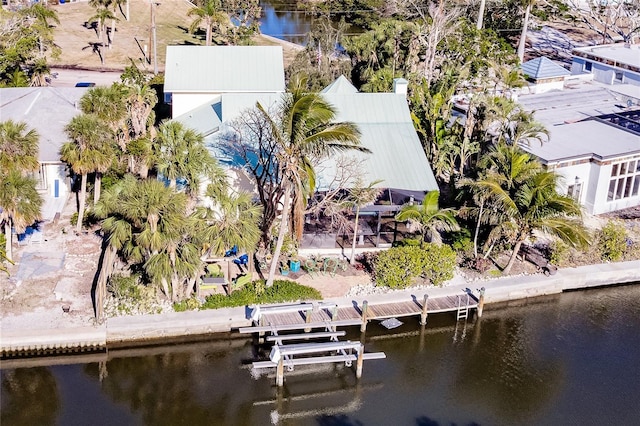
(544, 75)
(47, 110)
(608, 63)
(594, 143)
(196, 75)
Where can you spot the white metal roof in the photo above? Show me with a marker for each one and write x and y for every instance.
(572, 136)
(47, 110)
(340, 85)
(220, 69)
(619, 53)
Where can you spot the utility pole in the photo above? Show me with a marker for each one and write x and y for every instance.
(153, 36)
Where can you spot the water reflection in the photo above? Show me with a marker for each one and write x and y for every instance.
(572, 356)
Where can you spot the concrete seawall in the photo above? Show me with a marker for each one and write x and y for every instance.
(121, 331)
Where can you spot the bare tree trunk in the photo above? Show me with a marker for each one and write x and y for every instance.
(97, 188)
(480, 15)
(355, 235)
(281, 236)
(83, 197)
(127, 17)
(9, 238)
(208, 35)
(523, 35)
(512, 259)
(475, 236)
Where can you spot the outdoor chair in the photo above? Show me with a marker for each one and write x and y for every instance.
(239, 282)
(231, 252)
(311, 267)
(330, 266)
(242, 260)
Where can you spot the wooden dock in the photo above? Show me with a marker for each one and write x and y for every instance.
(329, 316)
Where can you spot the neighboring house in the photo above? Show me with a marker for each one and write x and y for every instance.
(196, 75)
(594, 143)
(544, 75)
(47, 110)
(609, 63)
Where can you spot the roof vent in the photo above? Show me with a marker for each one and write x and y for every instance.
(400, 86)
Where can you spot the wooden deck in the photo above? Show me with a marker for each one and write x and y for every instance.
(328, 317)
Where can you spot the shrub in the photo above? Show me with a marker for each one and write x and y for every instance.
(398, 267)
(408, 242)
(190, 304)
(462, 241)
(439, 263)
(612, 242)
(130, 297)
(257, 293)
(559, 252)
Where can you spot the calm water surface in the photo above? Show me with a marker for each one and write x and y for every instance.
(568, 359)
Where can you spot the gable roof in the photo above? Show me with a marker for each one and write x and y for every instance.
(543, 67)
(47, 110)
(220, 69)
(340, 85)
(397, 157)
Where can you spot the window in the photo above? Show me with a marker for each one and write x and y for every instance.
(624, 182)
(574, 191)
(588, 66)
(619, 76)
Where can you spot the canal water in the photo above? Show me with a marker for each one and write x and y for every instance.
(567, 359)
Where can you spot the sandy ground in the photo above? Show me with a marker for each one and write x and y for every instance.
(130, 42)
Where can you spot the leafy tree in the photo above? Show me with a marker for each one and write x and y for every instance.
(430, 219)
(209, 13)
(20, 204)
(245, 17)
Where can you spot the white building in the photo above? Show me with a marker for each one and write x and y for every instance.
(544, 75)
(195, 75)
(47, 110)
(609, 63)
(594, 143)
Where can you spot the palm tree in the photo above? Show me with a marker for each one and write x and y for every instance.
(232, 220)
(18, 147)
(89, 151)
(209, 12)
(526, 195)
(20, 204)
(181, 153)
(147, 222)
(102, 15)
(430, 219)
(303, 130)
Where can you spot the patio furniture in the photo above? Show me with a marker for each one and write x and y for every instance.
(239, 282)
(241, 261)
(330, 266)
(311, 266)
(231, 252)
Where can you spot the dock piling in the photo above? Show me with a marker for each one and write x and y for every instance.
(360, 362)
(424, 314)
(307, 319)
(365, 306)
(481, 302)
(280, 373)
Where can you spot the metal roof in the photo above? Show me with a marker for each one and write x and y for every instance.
(47, 110)
(206, 119)
(397, 157)
(340, 85)
(573, 133)
(220, 69)
(541, 68)
(620, 53)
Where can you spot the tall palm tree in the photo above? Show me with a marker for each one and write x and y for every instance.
(181, 153)
(89, 151)
(210, 13)
(303, 130)
(20, 204)
(526, 195)
(102, 15)
(18, 147)
(430, 219)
